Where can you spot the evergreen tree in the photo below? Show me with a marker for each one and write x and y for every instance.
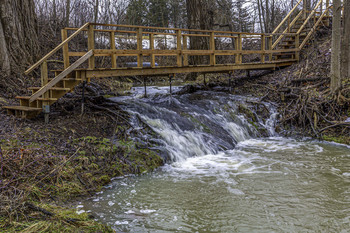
(158, 13)
(136, 12)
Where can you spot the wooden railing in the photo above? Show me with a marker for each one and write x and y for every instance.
(261, 47)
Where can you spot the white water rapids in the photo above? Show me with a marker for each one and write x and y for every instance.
(224, 175)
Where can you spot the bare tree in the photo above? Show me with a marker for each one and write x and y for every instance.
(18, 35)
(336, 46)
(346, 42)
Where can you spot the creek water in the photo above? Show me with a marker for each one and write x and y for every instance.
(225, 172)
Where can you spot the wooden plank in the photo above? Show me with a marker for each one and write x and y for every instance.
(286, 30)
(287, 17)
(178, 48)
(297, 43)
(44, 73)
(91, 46)
(270, 48)
(185, 47)
(239, 49)
(139, 47)
(55, 49)
(263, 46)
(212, 48)
(313, 29)
(174, 70)
(61, 76)
(151, 46)
(113, 56)
(65, 49)
(308, 18)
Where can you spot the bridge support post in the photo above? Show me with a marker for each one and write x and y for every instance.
(204, 79)
(139, 48)
(170, 82)
(83, 98)
(145, 85)
(91, 46)
(113, 56)
(46, 110)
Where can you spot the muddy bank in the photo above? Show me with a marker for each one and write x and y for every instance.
(44, 167)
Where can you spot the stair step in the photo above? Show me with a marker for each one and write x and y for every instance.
(68, 79)
(22, 108)
(42, 99)
(52, 88)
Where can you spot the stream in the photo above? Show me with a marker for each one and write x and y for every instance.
(227, 170)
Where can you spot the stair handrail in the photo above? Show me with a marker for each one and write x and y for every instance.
(286, 18)
(309, 17)
(61, 76)
(314, 27)
(286, 30)
(42, 60)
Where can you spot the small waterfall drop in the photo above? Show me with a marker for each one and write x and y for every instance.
(201, 123)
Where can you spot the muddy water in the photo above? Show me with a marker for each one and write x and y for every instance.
(258, 184)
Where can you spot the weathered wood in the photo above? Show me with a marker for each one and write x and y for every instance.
(61, 76)
(270, 48)
(212, 48)
(313, 29)
(286, 30)
(185, 47)
(263, 48)
(65, 49)
(178, 48)
(55, 49)
(113, 56)
(297, 43)
(239, 48)
(139, 47)
(308, 18)
(153, 57)
(287, 17)
(91, 46)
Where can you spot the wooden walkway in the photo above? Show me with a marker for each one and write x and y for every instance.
(249, 51)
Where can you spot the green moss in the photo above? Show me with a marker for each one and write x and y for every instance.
(337, 139)
(63, 220)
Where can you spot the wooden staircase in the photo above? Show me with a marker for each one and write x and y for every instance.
(283, 49)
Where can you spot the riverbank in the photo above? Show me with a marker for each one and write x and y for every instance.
(45, 167)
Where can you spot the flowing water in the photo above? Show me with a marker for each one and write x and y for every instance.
(225, 173)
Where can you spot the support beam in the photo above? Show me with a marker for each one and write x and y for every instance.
(179, 48)
(185, 47)
(65, 49)
(151, 45)
(139, 47)
(212, 48)
(91, 46)
(113, 56)
(263, 46)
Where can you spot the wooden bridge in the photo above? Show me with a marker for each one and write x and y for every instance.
(249, 51)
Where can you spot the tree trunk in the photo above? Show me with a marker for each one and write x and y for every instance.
(4, 54)
(67, 12)
(336, 46)
(346, 42)
(18, 34)
(96, 11)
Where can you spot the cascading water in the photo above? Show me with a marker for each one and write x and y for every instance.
(227, 171)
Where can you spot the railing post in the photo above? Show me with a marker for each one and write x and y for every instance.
(179, 48)
(139, 48)
(44, 74)
(65, 49)
(185, 47)
(304, 9)
(45, 79)
(113, 56)
(297, 45)
(239, 48)
(263, 46)
(151, 46)
(212, 49)
(270, 47)
(91, 45)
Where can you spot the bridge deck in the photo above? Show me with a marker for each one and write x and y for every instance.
(104, 50)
